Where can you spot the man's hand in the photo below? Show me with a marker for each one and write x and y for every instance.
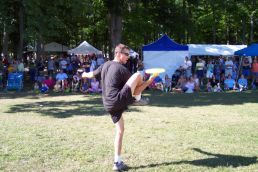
(153, 76)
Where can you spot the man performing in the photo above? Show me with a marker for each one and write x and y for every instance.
(120, 89)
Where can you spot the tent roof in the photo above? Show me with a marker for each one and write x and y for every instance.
(251, 50)
(213, 49)
(164, 44)
(84, 48)
(55, 47)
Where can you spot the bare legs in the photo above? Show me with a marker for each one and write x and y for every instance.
(119, 136)
(136, 83)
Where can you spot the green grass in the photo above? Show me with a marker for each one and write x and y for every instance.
(176, 132)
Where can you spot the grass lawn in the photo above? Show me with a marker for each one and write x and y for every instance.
(176, 132)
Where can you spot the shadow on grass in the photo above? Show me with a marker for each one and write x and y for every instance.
(63, 109)
(185, 100)
(218, 160)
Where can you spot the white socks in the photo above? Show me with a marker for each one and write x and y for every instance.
(138, 97)
(117, 158)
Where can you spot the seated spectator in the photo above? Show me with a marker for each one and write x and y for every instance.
(50, 82)
(36, 87)
(229, 83)
(197, 83)
(75, 83)
(217, 88)
(67, 86)
(242, 83)
(84, 86)
(180, 86)
(176, 76)
(94, 86)
(255, 83)
(157, 84)
(209, 87)
(190, 85)
(44, 88)
(212, 84)
(57, 87)
(167, 84)
(61, 77)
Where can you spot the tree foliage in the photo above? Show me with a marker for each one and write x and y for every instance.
(104, 23)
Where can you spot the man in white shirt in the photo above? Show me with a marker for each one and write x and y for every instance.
(228, 67)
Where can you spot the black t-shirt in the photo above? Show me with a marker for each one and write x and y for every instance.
(113, 78)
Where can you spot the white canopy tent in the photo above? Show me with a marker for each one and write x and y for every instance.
(84, 48)
(55, 47)
(213, 49)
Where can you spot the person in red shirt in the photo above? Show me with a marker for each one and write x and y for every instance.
(50, 82)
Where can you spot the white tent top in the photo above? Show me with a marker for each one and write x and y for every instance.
(84, 48)
(55, 47)
(213, 49)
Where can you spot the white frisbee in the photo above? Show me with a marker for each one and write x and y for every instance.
(155, 70)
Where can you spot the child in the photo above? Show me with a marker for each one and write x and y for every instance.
(36, 87)
(57, 87)
(167, 83)
(209, 87)
(94, 86)
(84, 86)
(75, 84)
(44, 89)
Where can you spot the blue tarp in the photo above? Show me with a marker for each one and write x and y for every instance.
(251, 50)
(165, 44)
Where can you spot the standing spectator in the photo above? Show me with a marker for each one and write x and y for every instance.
(50, 66)
(93, 64)
(100, 60)
(20, 66)
(188, 67)
(254, 69)
(210, 69)
(246, 66)
(228, 67)
(63, 64)
(200, 70)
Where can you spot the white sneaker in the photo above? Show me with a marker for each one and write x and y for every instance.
(119, 166)
(141, 102)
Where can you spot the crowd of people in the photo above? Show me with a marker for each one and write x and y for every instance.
(63, 74)
(58, 73)
(211, 75)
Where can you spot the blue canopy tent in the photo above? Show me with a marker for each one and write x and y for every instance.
(164, 53)
(251, 50)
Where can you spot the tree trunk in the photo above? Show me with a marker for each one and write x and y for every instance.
(243, 31)
(39, 46)
(21, 30)
(115, 29)
(213, 23)
(5, 41)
